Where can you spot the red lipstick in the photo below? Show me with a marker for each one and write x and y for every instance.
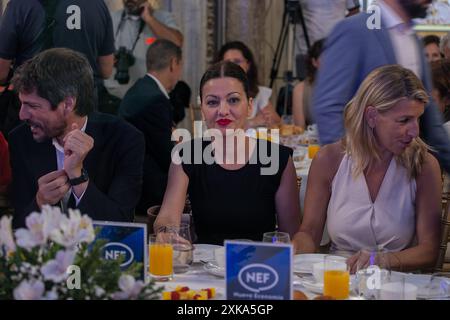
(223, 122)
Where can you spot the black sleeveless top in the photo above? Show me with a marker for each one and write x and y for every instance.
(236, 204)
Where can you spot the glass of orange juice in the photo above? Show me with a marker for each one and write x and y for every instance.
(336, 278)
(312, 150)
(160, 258)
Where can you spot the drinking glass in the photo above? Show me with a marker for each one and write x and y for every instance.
(373, 269)
(160, 257)
(276, 237)
(336, 278)
(399, 289)
(437, 288)
(182, 248)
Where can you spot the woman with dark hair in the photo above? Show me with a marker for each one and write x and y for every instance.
(263, 113)
(303, 91)
(431, 46)
(231, 193)
(440, 72)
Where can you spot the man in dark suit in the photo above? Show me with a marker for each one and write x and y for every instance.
(147, 106)
(65, 155)
(362, 43)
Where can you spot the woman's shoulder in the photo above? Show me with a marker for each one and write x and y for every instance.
(430, 167)
(329, 158)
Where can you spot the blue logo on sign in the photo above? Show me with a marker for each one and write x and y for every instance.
(115, 250)
(258, 277)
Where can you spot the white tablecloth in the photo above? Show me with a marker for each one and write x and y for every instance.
(198, 278)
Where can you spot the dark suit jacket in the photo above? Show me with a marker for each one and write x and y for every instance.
(114, 166)
(149, 110)
(351, 52)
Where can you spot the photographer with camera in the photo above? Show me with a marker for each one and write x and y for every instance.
(29, 27)
(135, 28)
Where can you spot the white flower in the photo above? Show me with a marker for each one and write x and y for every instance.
(130, 288)
(55, 270)
(32, 236)
(6, 234)
(29, 290)
(74, 230)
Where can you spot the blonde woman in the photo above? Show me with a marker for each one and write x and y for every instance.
(378, 187)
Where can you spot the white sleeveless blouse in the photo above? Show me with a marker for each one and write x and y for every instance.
(354, 222)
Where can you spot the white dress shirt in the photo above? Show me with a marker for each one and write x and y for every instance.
(160, 86)
(403, 39)
(60, 163)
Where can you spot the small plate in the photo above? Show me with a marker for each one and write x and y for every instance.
(204, 252)
(212, 268)
(303, 262)
(317, 287)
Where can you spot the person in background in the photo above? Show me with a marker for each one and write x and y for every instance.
(136, 27)
(431, 46)
(63, 153)
(263, 113)
(378, 187)
(303, 91)
(353, 50)
(147, 106)
(445, 45)
(232, 196)
(440, 72)
(85, 27)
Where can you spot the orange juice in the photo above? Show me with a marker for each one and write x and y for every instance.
(160, 255)
(336, 284)
(312, 150)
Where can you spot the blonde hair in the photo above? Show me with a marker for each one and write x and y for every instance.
(382, 89)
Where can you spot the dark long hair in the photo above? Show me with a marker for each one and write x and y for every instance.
(225, 69)
(314, 52)
(252, 74)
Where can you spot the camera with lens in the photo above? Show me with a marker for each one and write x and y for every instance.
(124, 60)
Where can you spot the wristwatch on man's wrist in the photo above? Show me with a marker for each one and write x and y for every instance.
(79, 180)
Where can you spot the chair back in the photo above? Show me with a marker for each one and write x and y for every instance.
(445, 232)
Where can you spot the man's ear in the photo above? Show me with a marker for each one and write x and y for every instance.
(370, 115)
(173, 64)
(69, 104)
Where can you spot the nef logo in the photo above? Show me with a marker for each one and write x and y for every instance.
(258, 277)
(116, 250)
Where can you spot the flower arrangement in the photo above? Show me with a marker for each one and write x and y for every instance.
(55, 258)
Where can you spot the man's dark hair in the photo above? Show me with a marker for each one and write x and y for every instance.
(160, 53)
(225, 69)
(56, 74)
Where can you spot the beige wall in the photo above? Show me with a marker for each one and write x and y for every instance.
(258, 24)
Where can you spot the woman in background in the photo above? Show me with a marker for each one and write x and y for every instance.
(303, 91)
(263, 112)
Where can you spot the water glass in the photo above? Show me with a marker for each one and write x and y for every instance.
(373, 269)
(336, 278)
(276, 237)
(182, 248)
(399, 289)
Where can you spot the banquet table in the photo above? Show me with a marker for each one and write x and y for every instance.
(198, 278)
